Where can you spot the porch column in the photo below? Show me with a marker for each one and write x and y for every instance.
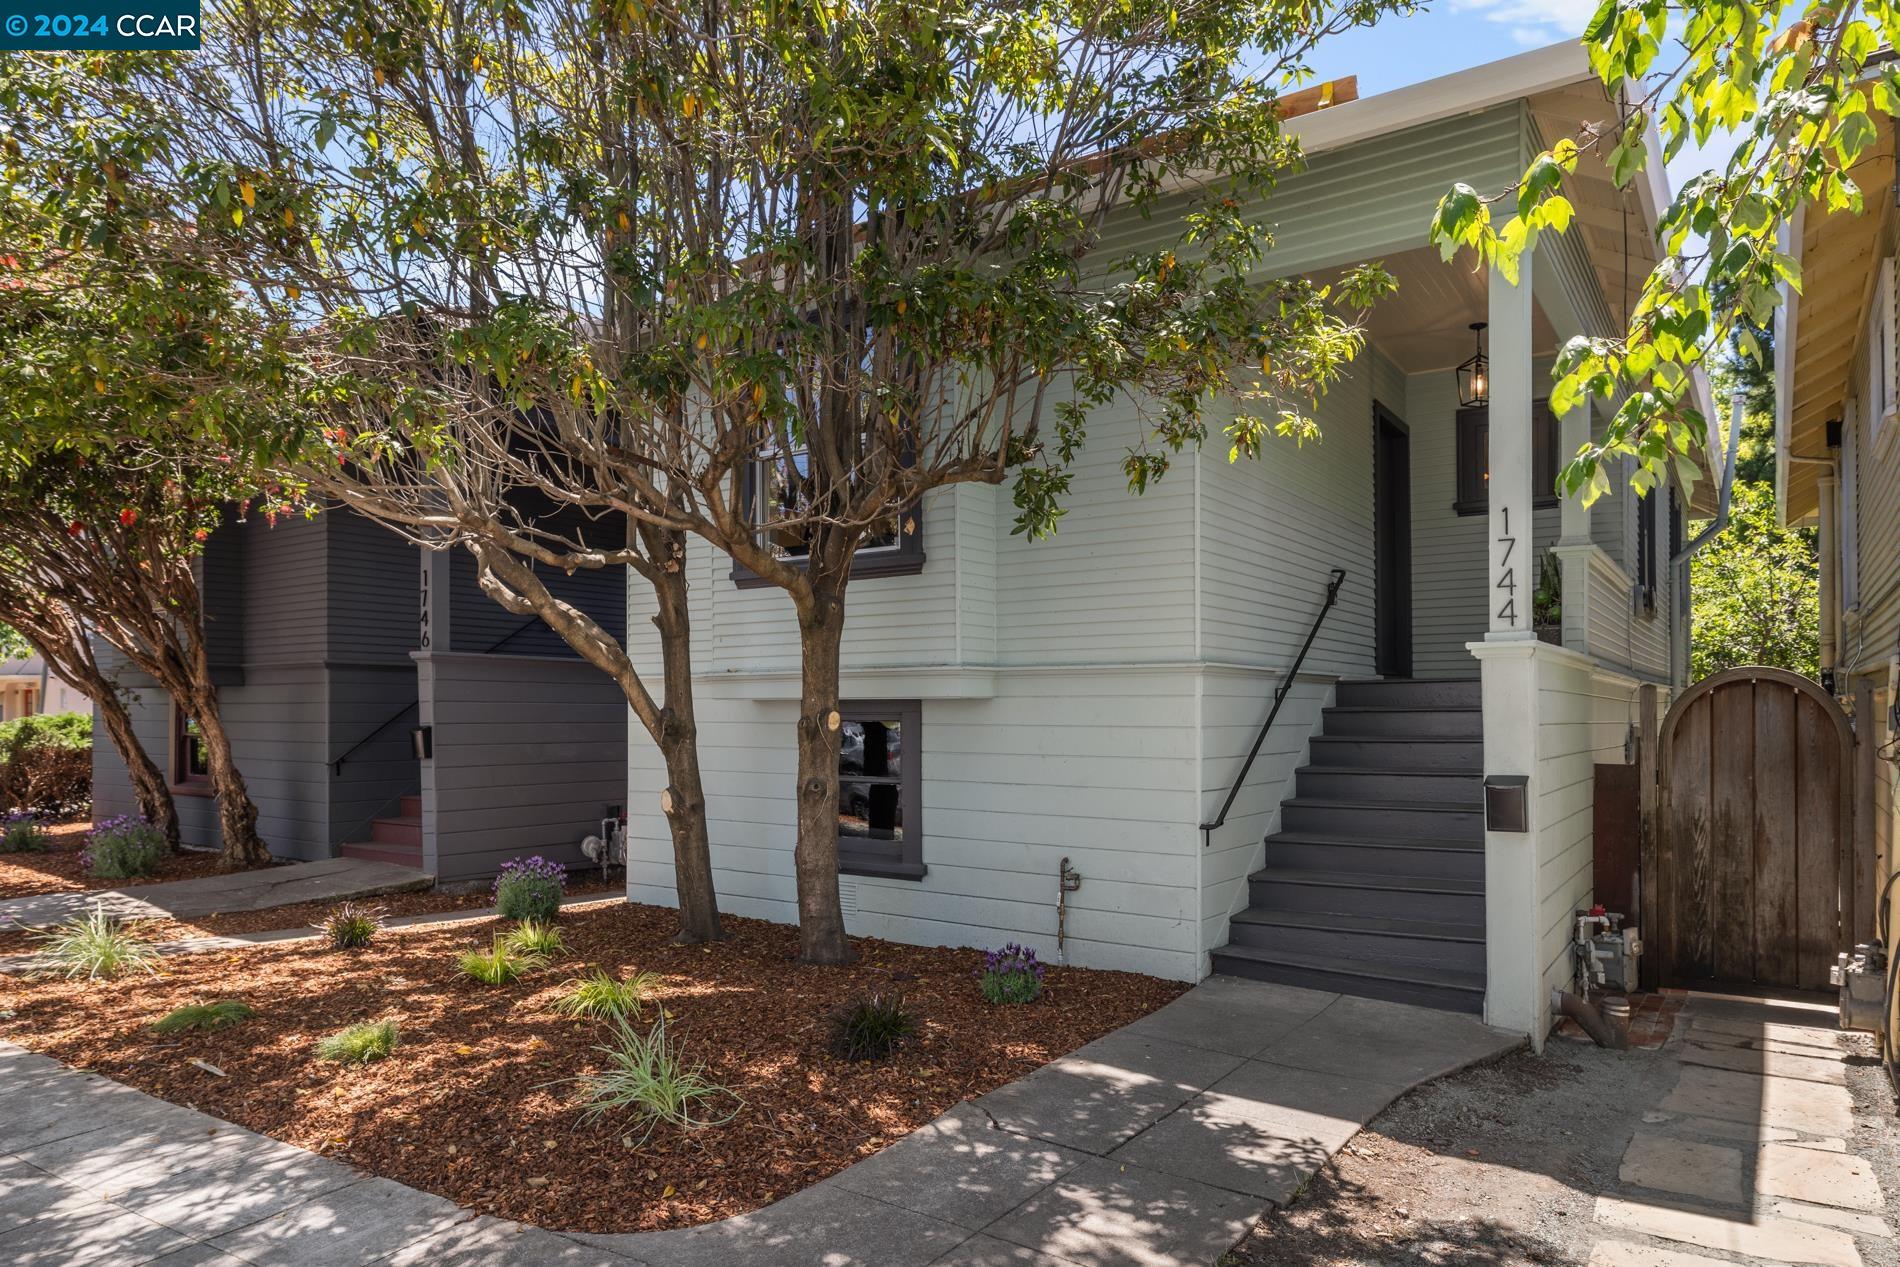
(1507, 668)
(1513, 573)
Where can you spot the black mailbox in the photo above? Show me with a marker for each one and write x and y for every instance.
(1506, 805)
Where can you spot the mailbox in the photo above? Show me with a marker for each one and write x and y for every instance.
(1506, 805)
(422, 742)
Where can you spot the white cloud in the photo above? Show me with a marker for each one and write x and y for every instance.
(1532, 23)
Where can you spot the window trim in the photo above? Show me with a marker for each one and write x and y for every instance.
(1471, 491)
(905, 558)
(183, 777)
(905, 861)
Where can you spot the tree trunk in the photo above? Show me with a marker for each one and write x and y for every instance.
(148, 781)
(685, 799)
(237, 816)
(821, 935)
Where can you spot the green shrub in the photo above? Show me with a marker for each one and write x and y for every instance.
(124, 848)
(648, 1078)
(94, 946)
(46, 763)
(532, 937)
(21, 832)
(599, 995)
(499, 964)
(530, 888)
(871, 1028)
(352, 926)
(360, 1043)
(203, 1016)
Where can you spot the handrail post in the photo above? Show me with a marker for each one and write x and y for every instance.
(1279, 697)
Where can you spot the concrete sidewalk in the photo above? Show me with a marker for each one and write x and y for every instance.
(331, 880)
(1158, 1144)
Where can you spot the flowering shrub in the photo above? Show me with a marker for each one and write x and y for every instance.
(20, 832)
(1011, 975)
(530, 888)
(123, 847)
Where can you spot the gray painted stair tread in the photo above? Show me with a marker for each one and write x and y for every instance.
(1374, 924)
(1368, 880)
(1405, 708)
(1423, 807)
(1388, 771)
(1369, 840)
(1372, 969)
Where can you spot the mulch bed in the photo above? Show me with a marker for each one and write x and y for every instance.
(56, 868)
(473, 1105)
(307, 915)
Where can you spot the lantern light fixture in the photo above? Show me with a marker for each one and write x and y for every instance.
(1474, 376)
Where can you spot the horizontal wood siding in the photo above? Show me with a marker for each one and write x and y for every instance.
(1098, 767)
(286, 589)
(1449, 559)
(1583, 720)
(1273, 527)
(374, 599)
(529, 754)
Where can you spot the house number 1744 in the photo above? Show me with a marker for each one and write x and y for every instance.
(1507, 573)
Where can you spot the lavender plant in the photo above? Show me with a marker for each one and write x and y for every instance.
(530, 888)
(123, 847)
(21, 832)
(1011, 975)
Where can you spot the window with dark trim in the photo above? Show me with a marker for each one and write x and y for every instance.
(895, 548)
(1646, 553)
(1474, 458)
(880, 789)
(189, 762)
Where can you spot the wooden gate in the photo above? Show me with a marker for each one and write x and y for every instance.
(1753, 865)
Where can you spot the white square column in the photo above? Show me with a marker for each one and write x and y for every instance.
(1513, 572)
(1507, 668)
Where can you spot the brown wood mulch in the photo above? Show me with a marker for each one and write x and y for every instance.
(307, 916)
(56, 868)
(474, 1104)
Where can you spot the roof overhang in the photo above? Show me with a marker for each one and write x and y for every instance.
(1818, 326)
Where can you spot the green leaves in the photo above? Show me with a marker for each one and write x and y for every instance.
(1795, 98)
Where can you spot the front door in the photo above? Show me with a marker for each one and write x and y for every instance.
(1392, 559)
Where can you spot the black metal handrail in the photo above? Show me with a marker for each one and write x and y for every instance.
(1279, 697)
(336, 766)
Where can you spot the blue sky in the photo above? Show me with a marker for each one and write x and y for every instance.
(1455, 35)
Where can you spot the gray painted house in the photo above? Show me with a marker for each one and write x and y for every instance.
(334, 640)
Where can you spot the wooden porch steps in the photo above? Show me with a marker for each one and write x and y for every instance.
(1375, 885)
(397, 838)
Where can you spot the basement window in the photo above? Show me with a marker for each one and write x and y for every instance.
(1474, 458)
(880, 790)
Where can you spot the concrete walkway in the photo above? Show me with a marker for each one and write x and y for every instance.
(1155, 1146)
(332, 880)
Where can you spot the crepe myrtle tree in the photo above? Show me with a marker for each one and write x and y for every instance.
(138, 395)
(1795, 87)
(43, 626)
(114, 534)
(764, 272)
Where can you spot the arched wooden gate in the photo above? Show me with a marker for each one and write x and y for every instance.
(1755, 811)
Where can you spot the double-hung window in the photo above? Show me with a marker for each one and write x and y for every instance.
(880, 789)
(892, 548)
(190, 764)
